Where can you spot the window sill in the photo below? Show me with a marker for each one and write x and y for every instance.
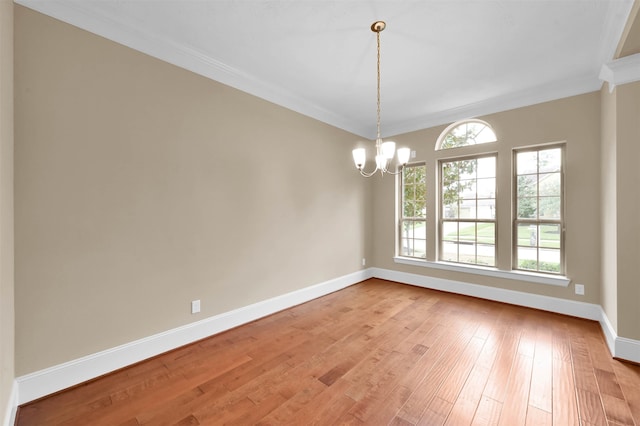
(559, 281)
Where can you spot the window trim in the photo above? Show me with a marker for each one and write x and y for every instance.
(445, 132)
(524, 276)
(514, 203)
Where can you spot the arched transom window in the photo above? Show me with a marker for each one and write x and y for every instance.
(464, 133)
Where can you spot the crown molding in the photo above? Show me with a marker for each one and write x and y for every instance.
(74, 13)
(617, 11)
(556, 90)
(621, 71)
(77, 14)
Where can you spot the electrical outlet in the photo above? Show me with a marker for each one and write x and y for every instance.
(580, 289)
(364, 261)
(195, 306)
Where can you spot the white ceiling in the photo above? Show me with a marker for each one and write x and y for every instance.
(442, 60)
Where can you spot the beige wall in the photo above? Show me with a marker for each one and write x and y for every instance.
(628, 206)
(608, 205)
(141, 186)
(620, 206)
(6, 206)
(575, 120)
(630, 42)
(620, 197)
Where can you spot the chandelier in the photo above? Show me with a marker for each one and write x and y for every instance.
(384, 150)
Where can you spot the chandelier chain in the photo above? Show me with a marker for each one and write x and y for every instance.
(378, 110)
(385, 151)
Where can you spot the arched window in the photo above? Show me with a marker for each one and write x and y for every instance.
(467, 220)
(464, 133)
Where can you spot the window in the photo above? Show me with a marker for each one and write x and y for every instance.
(469, 132)
(413, 221)
(466, 219)
(538, 226)
(468, 210)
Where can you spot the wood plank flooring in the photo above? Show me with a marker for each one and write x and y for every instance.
(375, 353)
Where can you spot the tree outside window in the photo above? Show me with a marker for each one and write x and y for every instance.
(469, 132)
(413, 223)
(468, 205)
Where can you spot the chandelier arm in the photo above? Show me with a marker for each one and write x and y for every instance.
(367, 175)
(396, 173)
(383, 171)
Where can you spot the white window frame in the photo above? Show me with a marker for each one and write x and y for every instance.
(525, 276)
(442, 219)
(452, 127)
(537, 222)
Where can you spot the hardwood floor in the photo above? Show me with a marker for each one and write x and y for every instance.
(374, 353)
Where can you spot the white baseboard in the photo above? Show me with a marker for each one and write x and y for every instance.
(44, 382)
(619, 347)
(12, 406)
(545, 303)
(627, 349)
(610, 334)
